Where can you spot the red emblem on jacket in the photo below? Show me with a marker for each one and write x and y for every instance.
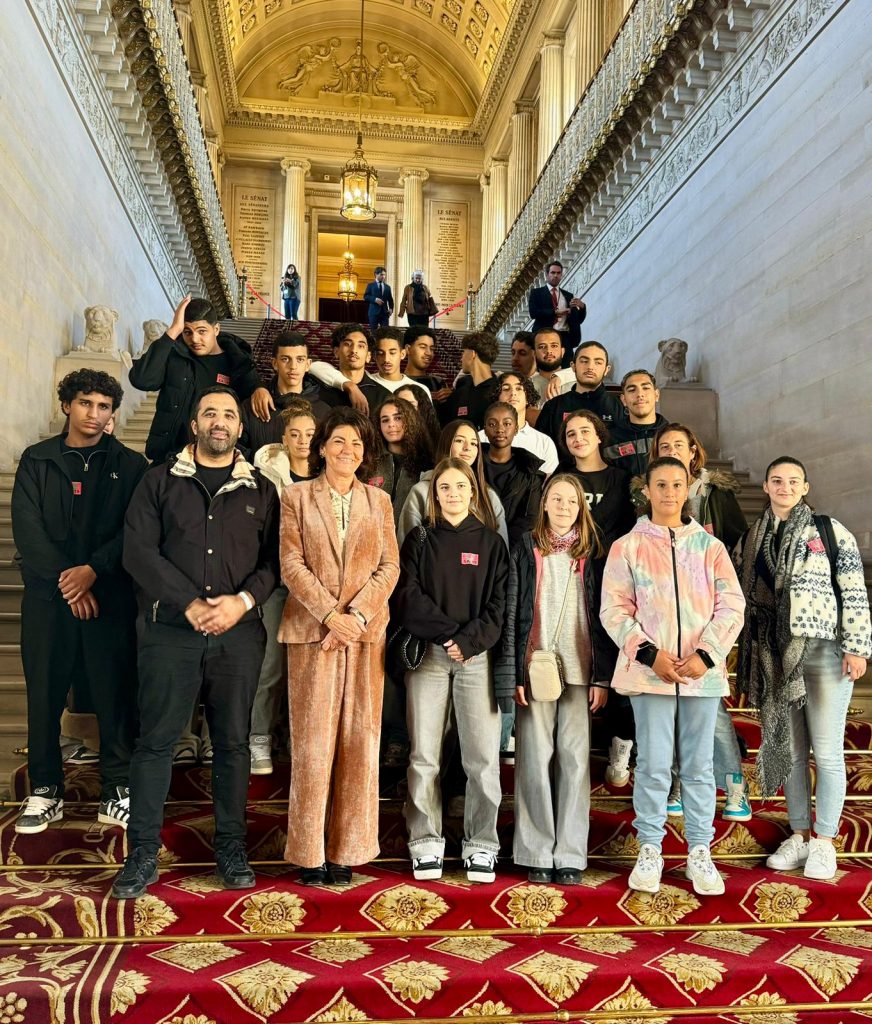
(628, 448)
(816, 545)
(463, 410)
(222, 378)
(468, 558)
(77, 487)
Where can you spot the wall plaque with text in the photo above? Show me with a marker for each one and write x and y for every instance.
(254, 211)
(447, 251)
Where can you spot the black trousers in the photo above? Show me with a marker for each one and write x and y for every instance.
(176, 667)
(55, 647)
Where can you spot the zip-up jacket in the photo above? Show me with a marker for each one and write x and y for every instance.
(674, 590)
(631, 443)
(42, 515)
(181, 544)
(454, 588)
(520, 491)
(168, 367)
(256, 433)
(525, 572)
(600, 401)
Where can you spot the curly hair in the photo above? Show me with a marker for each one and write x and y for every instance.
(341, 332)
(426, 410)
(344, 416)
(530, 392)
(296, 408)
(484, 344)
(600, 429)
(87, 382)
(417, 454)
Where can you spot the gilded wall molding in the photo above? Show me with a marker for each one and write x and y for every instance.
(77, 66)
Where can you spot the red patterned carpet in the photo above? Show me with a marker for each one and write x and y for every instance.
(775, 948)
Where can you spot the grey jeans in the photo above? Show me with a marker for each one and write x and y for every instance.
(552, 823)
(264, 711)
(431, 690)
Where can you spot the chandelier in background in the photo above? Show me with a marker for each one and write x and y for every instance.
(347, 276)
(359, 181)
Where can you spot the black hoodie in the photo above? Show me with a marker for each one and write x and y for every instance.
(454, 587)
(631, 443)
(256, 433)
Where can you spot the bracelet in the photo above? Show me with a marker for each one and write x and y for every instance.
(249, 604)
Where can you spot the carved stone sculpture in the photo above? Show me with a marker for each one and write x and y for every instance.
(407, 67)
(672, 364)
(151, 331)
(308, 59)
(356, 76)
(100, 330)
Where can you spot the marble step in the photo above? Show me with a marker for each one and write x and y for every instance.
(13, 699)
(10, 596)
(10, 627)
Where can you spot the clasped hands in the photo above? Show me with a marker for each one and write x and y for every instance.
(672, 669)
(75, 586)
(215, 615)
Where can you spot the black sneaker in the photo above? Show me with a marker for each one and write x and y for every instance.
(139, 871)
(232, 867)
(42, 808)
(115, 810)
(481, 867)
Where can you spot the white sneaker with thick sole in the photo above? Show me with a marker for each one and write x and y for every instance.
(261, 755)
(618, 771)
(736, 806)
(645, 876)
(792, 854)
(701, 871)
(427, 869)
(481, 867)
(821, 861)
(115, 810)
(41, 809)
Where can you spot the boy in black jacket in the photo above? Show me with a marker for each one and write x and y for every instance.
(68, 504)
(185, 361)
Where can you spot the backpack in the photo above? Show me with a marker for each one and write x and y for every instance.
(824, 527)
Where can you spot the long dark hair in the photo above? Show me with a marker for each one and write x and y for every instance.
(665, 462)
(485, 511)
(426, 410)
(417, 453)
(343, 416)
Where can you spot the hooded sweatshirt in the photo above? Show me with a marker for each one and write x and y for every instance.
(631, 443)
(454, 586)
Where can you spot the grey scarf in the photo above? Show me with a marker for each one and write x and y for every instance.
(770, 658)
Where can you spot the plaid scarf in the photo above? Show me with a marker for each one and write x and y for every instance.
(771, 659)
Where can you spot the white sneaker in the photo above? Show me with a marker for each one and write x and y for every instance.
(427, 868)
(116, 810)
(261, 755)
(792, 854)
(645, 876)
(705, 876)
(821, 862)
(618, 771)
(43, 808)
(481, 867)
(736, 806)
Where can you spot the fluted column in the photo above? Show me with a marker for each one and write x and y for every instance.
(498, 176)
(486, 253)
(412, 245)
(520, 159)
(591, 40)
(550, 94)
(294, 246)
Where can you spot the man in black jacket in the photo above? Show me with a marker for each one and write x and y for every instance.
(633, 434)
(591, 364)
(68, 505)
(514, 473)
(555, 307)
(201, 543)
(190, 357)
(475, 390)
(292, 380)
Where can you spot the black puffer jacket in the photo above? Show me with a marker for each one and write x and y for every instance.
(510, 666)
(168, 367)
(520, 491)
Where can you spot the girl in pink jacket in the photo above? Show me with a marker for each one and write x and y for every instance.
(672, 603)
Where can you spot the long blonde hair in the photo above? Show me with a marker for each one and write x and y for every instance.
(434, 512)
(588, 544)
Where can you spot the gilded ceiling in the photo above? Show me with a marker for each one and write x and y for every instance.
(426, 59)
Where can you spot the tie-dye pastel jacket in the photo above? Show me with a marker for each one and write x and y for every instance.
(678, 590)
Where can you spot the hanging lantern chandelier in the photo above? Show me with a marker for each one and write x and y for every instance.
(347, 276)
(359, 181)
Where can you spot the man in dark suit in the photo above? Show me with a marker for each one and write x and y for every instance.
(380, 299)
(555, 307)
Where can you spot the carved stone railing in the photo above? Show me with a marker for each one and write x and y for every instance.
(558, 195)
(154, 47)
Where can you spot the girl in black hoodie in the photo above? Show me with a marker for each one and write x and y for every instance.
(452, 593)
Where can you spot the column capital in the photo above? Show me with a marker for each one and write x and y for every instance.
(484, 181)
(198, 79)
(290, 162)
(552, 37)
(413, 172)
(497, 162)
(524, 107)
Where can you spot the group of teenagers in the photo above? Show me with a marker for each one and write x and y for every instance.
(436, 570)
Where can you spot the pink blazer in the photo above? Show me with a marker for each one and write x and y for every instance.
(313, 569)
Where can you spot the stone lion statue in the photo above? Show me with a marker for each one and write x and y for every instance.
(151, 331)
(100, 329)
(672, 364)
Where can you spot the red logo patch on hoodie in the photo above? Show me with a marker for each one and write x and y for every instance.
(468, 558)
(222, 378)
(463, 410)
(77, 487)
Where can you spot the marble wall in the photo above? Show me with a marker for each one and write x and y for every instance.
(761, 261)
(65, 239)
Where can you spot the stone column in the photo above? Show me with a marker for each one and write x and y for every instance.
(550, 94)
(412, 245)
(520, 159)
(185, 20)
(294, 247)
(486, 253)
(498, 176)
(591, 44)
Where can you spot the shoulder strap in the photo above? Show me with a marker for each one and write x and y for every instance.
(559, 625)
(824, 527)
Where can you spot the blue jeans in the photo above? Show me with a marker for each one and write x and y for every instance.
(290, 307)
(819, 726)
(664, 724)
